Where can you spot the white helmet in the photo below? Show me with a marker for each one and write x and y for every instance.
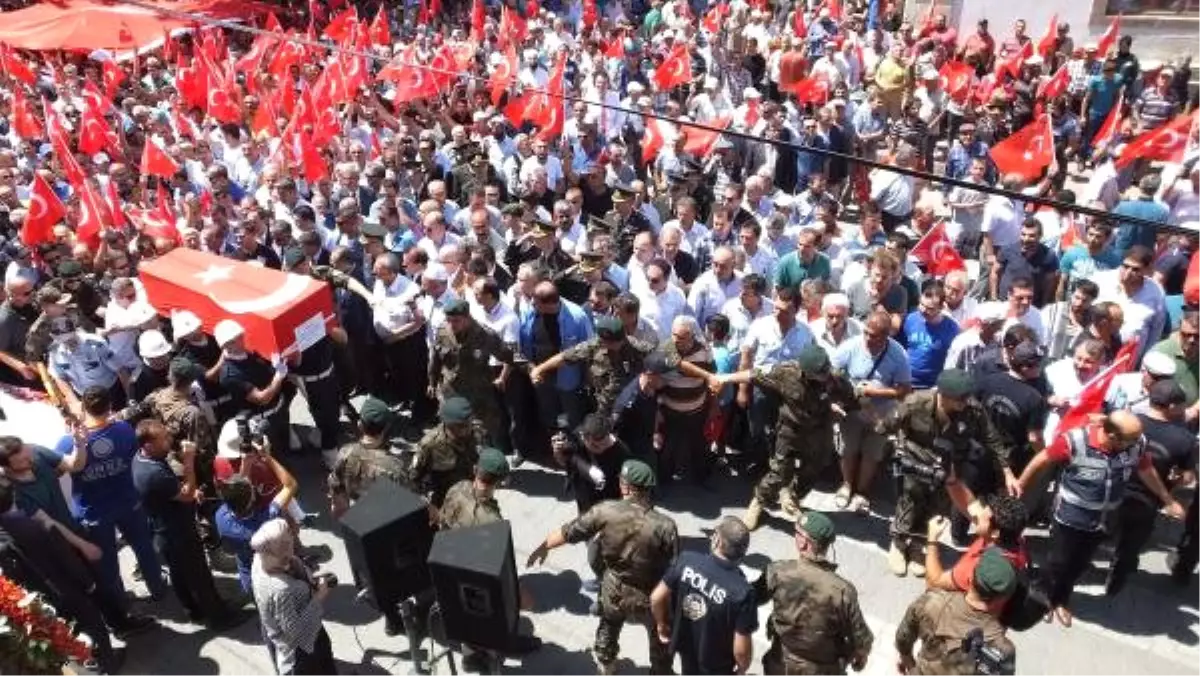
(227, 330)
(183, 323)
(152, 344)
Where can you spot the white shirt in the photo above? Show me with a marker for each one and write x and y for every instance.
(1064, 382)
(763, 262)
(571, 241)
(1032, 319)
(1001, 221)
(709, 295)
(741, 318)
(826, 340)
(663, 307)
(431, 248)
(1145, 311)
(964, 312)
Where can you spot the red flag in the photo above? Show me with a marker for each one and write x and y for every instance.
(57, 134)
(412, 82)
(799, 29)
(700, 141)
(380, 31)
(45, 211)
(272, 23)
(1106, 42)
(94, 215)
(478, 20)
(252, 61)
(590, 14)
(552, 115)
(713, 17)
(655, 138)
(25, 123)
(150, 223)
(113, 75)
(1112, 124)
(503, 74)
(94, 134)
(15, 67)
(615, 48)
(675, 70)
(835, 9)
(531, 9)
(311, 160)
(113, 201)
(927, 21)
(1090, 399)
(956, 79)
(1045, 46)
(1055, 86)
(435, 7)
(339, 26)
(937, 252)
(1070, 234)
(156, 161)
(513, 29)
(1027, 152)
(1166, 144)
(1013, 64)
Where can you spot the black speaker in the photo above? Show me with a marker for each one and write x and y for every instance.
(475, 578)
(388, 536)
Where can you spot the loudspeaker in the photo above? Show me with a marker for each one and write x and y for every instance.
(475, 578)
(388, 536)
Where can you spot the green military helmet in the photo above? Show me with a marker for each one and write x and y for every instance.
(376, 413)
(955, 383)
(995, 576)
(813, 359)
(818, 527)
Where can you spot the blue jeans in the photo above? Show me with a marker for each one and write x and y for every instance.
(132, 522)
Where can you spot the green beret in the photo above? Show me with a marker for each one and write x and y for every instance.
(184, 370)
(292, 256)
(818, 527)
(994, 574)
(955, 383)
(455, 410)
(638, 473)
(493, 462)
(375, 412)
(514, 209)
(609, 324)
(372, 228)
(69, 268)
(813, 359)
(456, 307)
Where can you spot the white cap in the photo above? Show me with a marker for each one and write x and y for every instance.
(1034, 60)
(140, 312)
(633, 87)
(183, 323)
(227, 330)
(229, 442)
(784, 201)
(711, 82)
(835, 300)
(152, 344)
(1158, 364)
(750, 93)
(994, 311)
(434, 272)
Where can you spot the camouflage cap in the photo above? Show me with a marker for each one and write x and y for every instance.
(48, 295)
(456, 307)
(818, 527)
(455, 410)
(493, 462)
(994, 574)
(813, 359)
(955, 383)
(638, 473)
(375, 412)
(608, 326)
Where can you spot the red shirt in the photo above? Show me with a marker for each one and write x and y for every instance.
(266, 485)
(984, 45)
(1060, 451)
(963, 572)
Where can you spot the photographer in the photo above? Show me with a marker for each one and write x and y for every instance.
(937, 431)
(960, 633)
(290, 603)
(241, 515)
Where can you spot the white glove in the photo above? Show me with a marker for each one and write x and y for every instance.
(596, 476)
(281, 367)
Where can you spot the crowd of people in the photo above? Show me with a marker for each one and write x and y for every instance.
(542, 248)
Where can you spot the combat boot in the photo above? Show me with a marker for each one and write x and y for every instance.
(753, 514)
(604, 668)
(896, 561)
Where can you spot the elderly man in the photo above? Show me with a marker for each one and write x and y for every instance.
(835, 325)
(716, 286)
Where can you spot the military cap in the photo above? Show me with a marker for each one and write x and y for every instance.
(597, 224)
(69, 268)
(609, 327)
(638, 473)
(818, 527)
(515, 209)
(813, 359)
(955, 383)
(657, 363)
(456, 307)
(475, 153)
(493, 462)
(622, 192)
(994, 574)
(375, 412)
(543, 229)
(293, 256)
(48, 295)
(184, 370)
(590, 261)
(372, 228)
(455, 410)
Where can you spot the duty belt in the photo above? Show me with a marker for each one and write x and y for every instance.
(319, 377)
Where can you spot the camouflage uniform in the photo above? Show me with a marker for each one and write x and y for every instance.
(637, 544)
(465, 507)
(183, 418)
(626, 230)
(805, 430)
(359, 465)
(460, 364)
(41, 335)
(816, 624)
(915, 423)
(941, 620)
(609, 373)
(441, 460)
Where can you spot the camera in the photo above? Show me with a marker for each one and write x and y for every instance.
(905, 464)
(251, 430)
(327, 578)
(988, 659)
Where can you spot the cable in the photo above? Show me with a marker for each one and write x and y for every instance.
(914, 173)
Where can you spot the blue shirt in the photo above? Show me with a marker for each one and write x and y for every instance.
(927, 345)
(771, 346)
(104, 489)
(726, 361)
(860, 366)
(1077, 263)
(1129, 234)
(236, 533)
(1103, 95)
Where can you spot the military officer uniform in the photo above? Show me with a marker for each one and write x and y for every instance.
(612, 360)
(626, 227)
(942, 619)
(636, 544)
(933, 439)
(805, 430)
(473, 174)
(447, 453)
(816, 624)
(556, 261)
(459, 365)
(467, 504)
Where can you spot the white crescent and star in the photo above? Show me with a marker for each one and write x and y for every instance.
(37, 207)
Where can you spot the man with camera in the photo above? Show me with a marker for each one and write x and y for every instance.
(936, 432)
(961, 633)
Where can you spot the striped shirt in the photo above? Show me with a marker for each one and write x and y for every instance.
(1154, 108)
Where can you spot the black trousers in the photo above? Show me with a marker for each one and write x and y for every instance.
(319, 661)
(408, 373)
(1134, 524)
(685, 450)
(324, 397)
(85, 610)
(1071, 552)
(1189, 543)
(191, 578)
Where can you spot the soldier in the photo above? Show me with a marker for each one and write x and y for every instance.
(176, 407)
(811, 396)
(459, 366)
(361, 463)
(446, 454)
(626, 220)
(937, 431)
(613, 360)
(636, 544)
(816, 624)
(73, 282)
(540, 244)
(472, 175)
(943, 619)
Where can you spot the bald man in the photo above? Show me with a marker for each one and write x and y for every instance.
(1098, 460)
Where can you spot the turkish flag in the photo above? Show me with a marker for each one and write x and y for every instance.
(503, 74)
(113, 200)
(94, 215)
(835, 9)
(412, 82)
(654, 138)
(956, 79)
(713, 17)
(272, 23)
(1105, 44)
(1055, 86)
(513, 29)
(1045, 46)
(1012, 65)
(339, 27)
(1112, 124)
(1166, 144)
(813, 90)
(615, 48)
(156, 161)
(1027, 152)
(281, 312)
(380, 31)
(59, 140)
(675, 70)
(799, 29)
(25, 124)
(700, 141)
(94, 133)
(937, 252)
(478, 20)
(1090, 399)
(589, 13)
(16, 68)
(113, 76)
(45, 211)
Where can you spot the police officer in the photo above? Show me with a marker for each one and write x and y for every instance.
(613, 360)
(816, 624)
(941, 620)
(636, 544)
(626, 219)
(704, 607)
(58, 317)
(254, 385)
(936, 430)
(459, 365)
(593, 458)
(80, 361)
(811, 396)
(447, 452)
(360, 463)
